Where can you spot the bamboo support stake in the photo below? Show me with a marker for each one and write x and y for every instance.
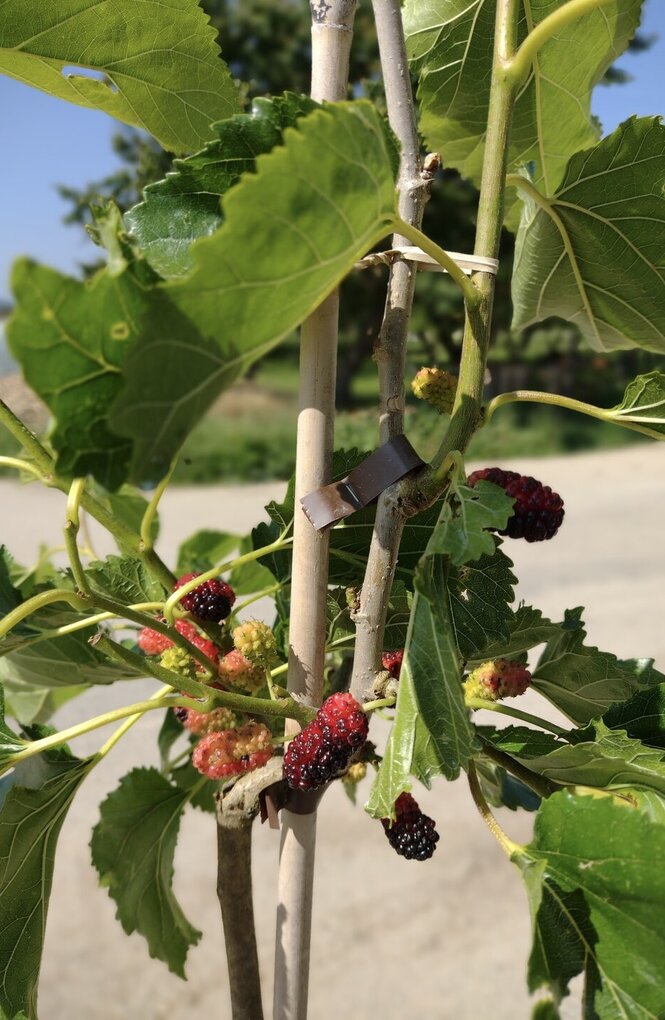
(332, 29)
(413, 186)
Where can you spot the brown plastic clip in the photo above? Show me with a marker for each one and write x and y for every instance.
(363, 485)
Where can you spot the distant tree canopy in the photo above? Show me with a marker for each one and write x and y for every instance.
(266, 43)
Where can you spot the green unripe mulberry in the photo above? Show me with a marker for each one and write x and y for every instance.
(437, 387)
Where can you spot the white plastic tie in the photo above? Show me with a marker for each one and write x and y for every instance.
(467, 263)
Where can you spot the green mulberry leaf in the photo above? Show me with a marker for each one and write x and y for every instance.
(596, 890)
(158, 62)
(584, 682)
(432, 733)
(596, 756)
(593, 252)
(643, 405)
(132, 848)
(31, 817)
(291, 232)
(467, 516)
(186, 204)
(450, 47)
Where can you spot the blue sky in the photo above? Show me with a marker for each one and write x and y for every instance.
(48, 142)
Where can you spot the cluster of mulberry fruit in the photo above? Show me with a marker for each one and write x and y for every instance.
(323, 749)
(203, 723)
(225, 748)
(538, 512)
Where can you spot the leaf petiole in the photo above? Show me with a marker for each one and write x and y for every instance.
(22, 465)
(71, 530)
(151, 509)
(133, 712)
(516, 713)
(416, 236)
(521, 63)
(621, 417)
(507, 845)
(32, 605)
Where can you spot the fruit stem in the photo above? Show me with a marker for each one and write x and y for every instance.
(21, 465)
(476, 704)
(32, 605)
(431, 248)
(507, 845)
(64, 736)
(239, 561)
(71, 530)
(371, 706)
(151, 510)
(264, 593)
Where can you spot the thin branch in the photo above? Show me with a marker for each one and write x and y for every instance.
(234, 892)
(467, 411)
(413, 188)
(112, 523)
(138, 709)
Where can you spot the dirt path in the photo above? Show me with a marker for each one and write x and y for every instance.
(447, 940)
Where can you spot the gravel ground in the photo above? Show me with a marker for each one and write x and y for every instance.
(447, 940)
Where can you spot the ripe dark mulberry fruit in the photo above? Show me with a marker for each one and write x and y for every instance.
(412, 834)
(392, 661)
(323, 749)
(538, 512)
(498, 678)
(212, 600)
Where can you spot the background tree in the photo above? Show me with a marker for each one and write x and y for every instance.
(266, 44)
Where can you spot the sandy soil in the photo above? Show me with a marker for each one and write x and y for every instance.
(446, 940)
